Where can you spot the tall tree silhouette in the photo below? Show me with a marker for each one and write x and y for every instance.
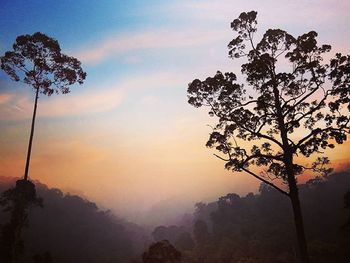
(37, 60)
(293, 104)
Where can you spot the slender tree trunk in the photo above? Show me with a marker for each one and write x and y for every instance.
(18, 221)
(303, 255)
(292, 183)
(299, 224)
(298, 217)
(294, 197)
(26, 172)
(18, 213)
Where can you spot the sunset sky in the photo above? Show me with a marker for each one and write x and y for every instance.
(127, 138)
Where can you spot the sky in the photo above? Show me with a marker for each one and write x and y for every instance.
(127, 138)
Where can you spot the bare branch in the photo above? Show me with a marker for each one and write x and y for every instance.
(265, 181)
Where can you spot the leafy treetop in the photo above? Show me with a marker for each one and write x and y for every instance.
(37, 60)
(297, 112)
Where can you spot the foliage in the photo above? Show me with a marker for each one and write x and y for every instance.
(253, 228)
(258, 227)
(74, 230)
(200, 231)
(310, 98)
(37, 61)
(289, 90)
(175, 235)
(161, 252)
(17, 201)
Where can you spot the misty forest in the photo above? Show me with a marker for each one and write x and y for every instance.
(276, 119)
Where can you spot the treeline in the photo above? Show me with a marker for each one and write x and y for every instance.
(258, 228)
(71, 229)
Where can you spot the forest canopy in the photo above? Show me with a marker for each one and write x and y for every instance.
(255, 227)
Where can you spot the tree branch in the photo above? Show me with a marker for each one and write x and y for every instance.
(256, 176)
(318, 131)
(265, 181)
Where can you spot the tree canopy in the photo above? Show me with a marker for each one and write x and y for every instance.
(288, 89)
(161, 252)
(293, 104)
(37, 61)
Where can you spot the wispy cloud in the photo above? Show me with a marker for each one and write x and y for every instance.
(312, 11)
(99, 99)
(329, 18)
(20, 106)
(146, 40)
(4, 98)
(208, 22)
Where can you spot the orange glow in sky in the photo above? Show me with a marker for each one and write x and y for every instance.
(127, 138)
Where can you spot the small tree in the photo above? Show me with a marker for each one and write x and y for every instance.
(161, 252)
(293, 104)
(37, 60)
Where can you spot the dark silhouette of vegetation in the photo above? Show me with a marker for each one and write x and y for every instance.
(74, 230)
(293, 104)
(161, 252)
(179, 236)
(253, 228)
(35, 60)
(258, 228)
(200, 231)
(16, 200)
(262, 128)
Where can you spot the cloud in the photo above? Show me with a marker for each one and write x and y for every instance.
(20, 106)
(86, 101)
(4, 98)
(312, 11)
(196, 24)
(150, 100)
(152, 39)
(329, 18)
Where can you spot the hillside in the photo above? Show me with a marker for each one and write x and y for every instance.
(256, 228)
(74, 230)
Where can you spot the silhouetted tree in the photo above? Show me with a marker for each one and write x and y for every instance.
(160, 233)
(174, 234)
(184, 241)
(292, 104)
(37, 60)
(161, 252)
(74, 229)
(200, 231)
(259, 227)
(16, 200)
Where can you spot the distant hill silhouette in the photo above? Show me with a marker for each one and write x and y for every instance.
(258, 228)
(74, 230)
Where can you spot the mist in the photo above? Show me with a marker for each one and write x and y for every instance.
(174, 131)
